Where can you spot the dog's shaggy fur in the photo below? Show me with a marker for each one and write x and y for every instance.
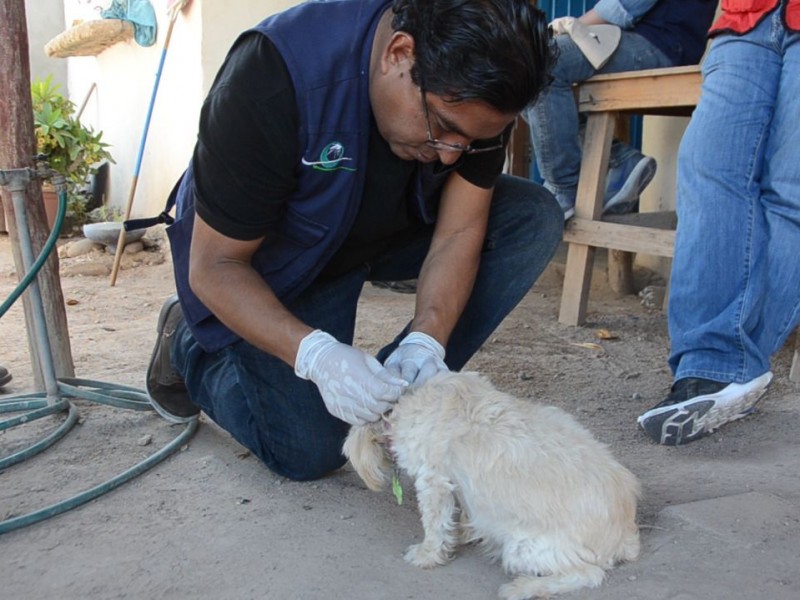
(540, 493)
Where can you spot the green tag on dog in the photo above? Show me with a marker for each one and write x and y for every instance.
(397, 488)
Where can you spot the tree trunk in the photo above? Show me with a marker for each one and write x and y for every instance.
(17, 151)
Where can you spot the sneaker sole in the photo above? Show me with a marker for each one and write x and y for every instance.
(640, 177)
(162, 319)
(692, 419)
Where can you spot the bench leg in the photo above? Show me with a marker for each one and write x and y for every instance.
(588, 205)
(620, 272)
(577, 279)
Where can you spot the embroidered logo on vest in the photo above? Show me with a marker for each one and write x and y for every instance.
(330, 159)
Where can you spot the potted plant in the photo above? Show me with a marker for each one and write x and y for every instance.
(71, 148)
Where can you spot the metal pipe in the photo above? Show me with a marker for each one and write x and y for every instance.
(16, 184)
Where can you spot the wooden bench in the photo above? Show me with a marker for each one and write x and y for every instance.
(673, 91)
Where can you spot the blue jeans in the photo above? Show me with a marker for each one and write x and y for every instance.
(282, 418)
(553, 118)
(735, 288)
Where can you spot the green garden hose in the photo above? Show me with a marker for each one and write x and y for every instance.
(36, 406)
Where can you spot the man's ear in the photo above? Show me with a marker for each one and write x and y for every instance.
(399, 52)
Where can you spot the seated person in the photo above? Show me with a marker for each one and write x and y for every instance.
(655, 33)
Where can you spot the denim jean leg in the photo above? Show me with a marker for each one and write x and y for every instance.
(554, 124)
(720, 269)
(553, 118)
(780, 201)
(524, 230)
(258, 399)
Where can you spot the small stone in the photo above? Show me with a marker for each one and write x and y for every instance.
(145, 440)
(134, 247)
(79, 248)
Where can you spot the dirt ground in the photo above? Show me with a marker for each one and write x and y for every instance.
(720, 518)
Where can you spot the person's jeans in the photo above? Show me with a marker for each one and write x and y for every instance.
(282, 418)
(553, 118)
(735, 288)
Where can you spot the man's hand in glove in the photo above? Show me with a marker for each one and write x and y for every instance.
(355, 387)
(417, 358)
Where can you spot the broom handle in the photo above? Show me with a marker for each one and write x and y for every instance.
(135, 180)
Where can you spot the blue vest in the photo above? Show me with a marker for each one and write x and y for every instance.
(326, 47)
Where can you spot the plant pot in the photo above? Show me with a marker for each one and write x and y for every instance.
(50, 200)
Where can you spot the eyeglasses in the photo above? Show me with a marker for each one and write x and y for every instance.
(432, 142)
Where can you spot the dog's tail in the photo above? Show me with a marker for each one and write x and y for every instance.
(364, 448)
(530, 586)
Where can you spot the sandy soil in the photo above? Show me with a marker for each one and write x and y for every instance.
(720, 518)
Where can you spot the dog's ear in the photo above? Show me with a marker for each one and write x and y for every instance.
(365, 451)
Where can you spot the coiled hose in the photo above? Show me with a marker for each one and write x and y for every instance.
(35, 406)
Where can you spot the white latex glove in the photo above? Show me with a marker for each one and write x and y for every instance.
(417, 358)
(355, 387)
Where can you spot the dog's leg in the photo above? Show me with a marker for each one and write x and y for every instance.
(436, 505)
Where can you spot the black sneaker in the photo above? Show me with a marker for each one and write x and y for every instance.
(168, 393)
(5, 376)
(696, 407)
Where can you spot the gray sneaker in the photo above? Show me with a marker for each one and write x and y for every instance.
(626, 182)
(696, 407)
(168, 394)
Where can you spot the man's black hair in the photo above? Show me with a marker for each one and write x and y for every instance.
(496, 51)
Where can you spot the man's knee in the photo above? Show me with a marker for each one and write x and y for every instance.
(309, 470)
(307, 458)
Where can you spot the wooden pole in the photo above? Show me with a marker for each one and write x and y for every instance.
(17, 150)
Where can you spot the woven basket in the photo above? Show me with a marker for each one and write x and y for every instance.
(89, 38)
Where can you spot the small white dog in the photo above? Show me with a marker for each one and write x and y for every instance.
(539, 492)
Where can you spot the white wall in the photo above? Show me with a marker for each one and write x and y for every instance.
(45, 20)
(126, 74)
(227, 24)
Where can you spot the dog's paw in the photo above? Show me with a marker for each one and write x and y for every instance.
(426, 557)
